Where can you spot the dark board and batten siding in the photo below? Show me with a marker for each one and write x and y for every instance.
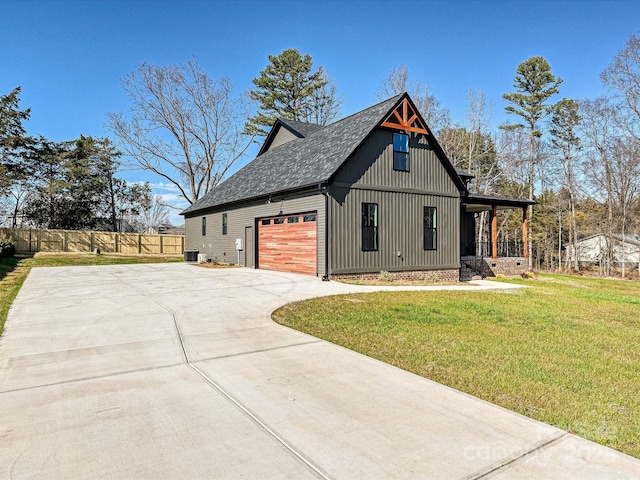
(400, 229)
(222, 247)
(369, 177)
(372, 167)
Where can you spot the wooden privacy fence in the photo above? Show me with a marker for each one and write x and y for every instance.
(28, 241)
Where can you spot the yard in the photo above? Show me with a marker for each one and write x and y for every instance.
(14, 270)
(565, 352)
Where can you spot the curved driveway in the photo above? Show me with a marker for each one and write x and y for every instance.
(173, 371)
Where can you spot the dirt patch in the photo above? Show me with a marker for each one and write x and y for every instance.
(216, 265)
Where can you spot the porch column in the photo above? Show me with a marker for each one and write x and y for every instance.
(494, 231)
(525, 231)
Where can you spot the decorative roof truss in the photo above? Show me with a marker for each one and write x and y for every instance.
(405, 117)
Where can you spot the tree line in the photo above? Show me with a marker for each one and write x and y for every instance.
(68, 184)
(579, 159)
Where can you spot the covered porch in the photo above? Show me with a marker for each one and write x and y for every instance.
(493, 256)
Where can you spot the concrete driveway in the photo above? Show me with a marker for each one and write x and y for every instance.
(174, 371)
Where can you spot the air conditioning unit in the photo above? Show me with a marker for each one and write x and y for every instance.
(202, 258)
(191, 255)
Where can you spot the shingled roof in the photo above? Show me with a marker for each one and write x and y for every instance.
(303, 162)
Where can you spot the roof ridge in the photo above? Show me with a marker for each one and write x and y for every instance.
(309, 160)
(367, 109)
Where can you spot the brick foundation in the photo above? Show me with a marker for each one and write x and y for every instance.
(450, 275)
(490, 267)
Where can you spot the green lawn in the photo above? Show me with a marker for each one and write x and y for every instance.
(14, 270)
(565, 352)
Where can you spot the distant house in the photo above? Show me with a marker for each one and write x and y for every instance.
(165, 229)
(369, 193)
(593, 250)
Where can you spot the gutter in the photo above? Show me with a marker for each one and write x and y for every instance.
(323, 188)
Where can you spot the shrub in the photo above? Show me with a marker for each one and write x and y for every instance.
(385, 276)
(501, 276)
(528, 275)
(7, 248)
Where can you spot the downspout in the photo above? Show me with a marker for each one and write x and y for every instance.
(324, 190)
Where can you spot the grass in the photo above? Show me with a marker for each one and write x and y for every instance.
(565, 352)
(14, 270)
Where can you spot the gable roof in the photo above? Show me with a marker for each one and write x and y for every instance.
(307, 161)
(298, 129)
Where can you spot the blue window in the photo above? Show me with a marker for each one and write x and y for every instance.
(401, 152)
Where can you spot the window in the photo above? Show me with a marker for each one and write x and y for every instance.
(430, 228)
(204, 226)
(224, 223)
(369, 227)
(266, 222)
(292, 220)
(278, 221)
(309, 218)
(401, 152)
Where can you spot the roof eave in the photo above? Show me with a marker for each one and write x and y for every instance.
(289, 191)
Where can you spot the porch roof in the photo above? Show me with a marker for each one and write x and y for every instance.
(475, 202)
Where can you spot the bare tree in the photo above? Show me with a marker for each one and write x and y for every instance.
(625, 166)
(564, 137)
(324, 104)
(183, 126)
(154, 213)
(598, 128)
(623, 75)
(435, 115)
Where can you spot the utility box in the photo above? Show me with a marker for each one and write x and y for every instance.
(238, 244)
(191, 255)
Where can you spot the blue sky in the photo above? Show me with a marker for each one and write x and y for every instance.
(69, 56)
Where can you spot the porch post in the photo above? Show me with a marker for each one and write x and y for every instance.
(525, 232)
(494, 231)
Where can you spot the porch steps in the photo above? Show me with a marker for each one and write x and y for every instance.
(468, 274)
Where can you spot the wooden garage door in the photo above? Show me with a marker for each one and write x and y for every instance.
(288, 243)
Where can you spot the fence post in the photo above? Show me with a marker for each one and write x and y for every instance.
(139, 243)
(161, 245)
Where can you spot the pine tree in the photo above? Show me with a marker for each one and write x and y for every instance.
(290, 88)
(535, 85)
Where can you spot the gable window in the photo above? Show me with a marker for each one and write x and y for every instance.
(430, 228)
(369, 227)
(204, 226)
(224, 223)
(401, 152)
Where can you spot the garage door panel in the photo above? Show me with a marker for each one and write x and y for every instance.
(290, 247)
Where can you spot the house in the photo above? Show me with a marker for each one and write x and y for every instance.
(592, 250)
(165, 229)
(369, 193)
